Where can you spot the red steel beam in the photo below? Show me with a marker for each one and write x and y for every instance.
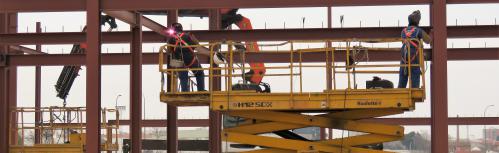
(12, 96)
(10, 22)
(164, 123)
(23, 49)
(129, 17)
(4, 109)
(465, 31)
(172, 111)
(427, 121)
(481, 31)
(4, 101)
(412, 121)
(471, 2)
(38, 90)
(439, 96)
(93, 65)
(79, 5)
(454, 54)
(136, 85)
(215, 118)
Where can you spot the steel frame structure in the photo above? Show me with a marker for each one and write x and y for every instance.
(94, 59)
(483, 31)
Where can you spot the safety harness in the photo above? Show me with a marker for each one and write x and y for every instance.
(182, 42)
(408, 34)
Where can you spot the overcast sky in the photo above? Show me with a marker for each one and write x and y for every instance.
(472, 84)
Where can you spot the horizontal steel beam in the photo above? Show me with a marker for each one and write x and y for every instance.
(183, 145)
(129, 17)
(162, 123)
(483, 31)
(266, 57)
(78, 5)
(22, 49)
(427, 121)
(395, 121)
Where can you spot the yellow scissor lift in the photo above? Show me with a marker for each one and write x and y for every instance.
(342, 109)
(60, 134)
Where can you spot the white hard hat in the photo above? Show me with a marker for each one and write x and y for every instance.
(217, 59)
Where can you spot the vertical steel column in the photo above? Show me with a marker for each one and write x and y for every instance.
(11, 23)
(439, 139)
(12, 91)
(93, 65)
(215, 117)
(172, 111)
(329, 69)
(4, 121)
(38, 81)
(4, 106)
(136, 86)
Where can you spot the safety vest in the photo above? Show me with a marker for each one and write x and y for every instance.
(178, 41)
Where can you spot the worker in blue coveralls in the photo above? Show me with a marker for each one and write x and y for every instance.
(183, 56)
(413, 31)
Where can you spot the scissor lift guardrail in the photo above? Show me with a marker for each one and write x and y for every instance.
(277, 111)
(71, 129)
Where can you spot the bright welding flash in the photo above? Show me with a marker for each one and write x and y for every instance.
(171, 31)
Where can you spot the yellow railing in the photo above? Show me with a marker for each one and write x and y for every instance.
(57, 124)
(296, 61)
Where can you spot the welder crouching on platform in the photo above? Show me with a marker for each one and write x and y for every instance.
(182, 56)
(413, 31)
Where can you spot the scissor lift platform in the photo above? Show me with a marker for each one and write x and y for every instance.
(313, 101)
(270, 112)
(61, 136)
(248, 114)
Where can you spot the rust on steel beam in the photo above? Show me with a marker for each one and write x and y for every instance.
(215, 128)
(38, 90)
(454, 54)
(172, 111)
(164, 123)
(136, 85)
(481, 31)
(439, 96)
(129, 17)
(79, 5)
(93, 65)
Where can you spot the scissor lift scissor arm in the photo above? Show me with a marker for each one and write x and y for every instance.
(342, 109)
